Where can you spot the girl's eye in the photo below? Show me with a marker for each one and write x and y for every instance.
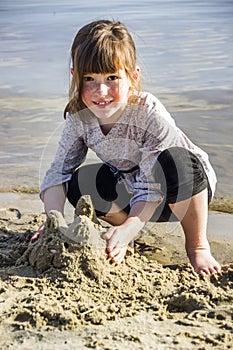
(112, 77)
(88, 79)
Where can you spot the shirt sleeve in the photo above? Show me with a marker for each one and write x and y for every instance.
(160, 134)
(71, 152)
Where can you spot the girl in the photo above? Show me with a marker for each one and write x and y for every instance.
(150, 169)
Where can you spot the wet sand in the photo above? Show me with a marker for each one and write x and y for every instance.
(61, 291)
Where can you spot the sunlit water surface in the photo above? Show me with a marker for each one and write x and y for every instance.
(185, 51)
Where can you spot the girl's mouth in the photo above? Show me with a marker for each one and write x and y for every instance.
(102, 103)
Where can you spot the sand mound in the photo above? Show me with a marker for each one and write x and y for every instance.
(65, 279)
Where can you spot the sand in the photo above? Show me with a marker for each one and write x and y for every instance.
(62, 292)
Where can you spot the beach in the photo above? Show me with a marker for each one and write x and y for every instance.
(76, 299)
(61, 292)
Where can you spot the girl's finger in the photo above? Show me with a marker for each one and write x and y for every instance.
(114, 242)
(107, 235)
(114, 252)
(37, 234)
(119, 257)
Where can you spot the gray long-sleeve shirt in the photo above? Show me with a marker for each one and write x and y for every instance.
(142, 132)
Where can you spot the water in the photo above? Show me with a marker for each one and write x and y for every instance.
(184, 49)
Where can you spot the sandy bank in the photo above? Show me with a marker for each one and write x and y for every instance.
(62, 292)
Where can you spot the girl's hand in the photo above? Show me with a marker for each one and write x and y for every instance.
(37, 234)
(119, 237)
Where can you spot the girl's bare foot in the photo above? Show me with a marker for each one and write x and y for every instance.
(202, 261)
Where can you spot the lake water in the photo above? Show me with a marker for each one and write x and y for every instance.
(185, 50)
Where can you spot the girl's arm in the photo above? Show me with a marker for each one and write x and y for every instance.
(140, 213)
(118, 237)
(54, 199)
(142, 210)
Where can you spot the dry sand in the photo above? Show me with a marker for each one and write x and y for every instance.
(61, 292)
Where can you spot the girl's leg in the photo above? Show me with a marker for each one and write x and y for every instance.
(187, 194)
(193, 213)
(115, 216)
(110, 199)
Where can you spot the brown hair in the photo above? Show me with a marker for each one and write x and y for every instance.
(101, 46)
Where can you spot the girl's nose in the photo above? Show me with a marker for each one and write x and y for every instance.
(102, 89)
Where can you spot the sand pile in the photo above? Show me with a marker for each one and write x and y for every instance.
(64, 279)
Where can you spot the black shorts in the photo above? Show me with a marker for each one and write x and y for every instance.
(179, 172)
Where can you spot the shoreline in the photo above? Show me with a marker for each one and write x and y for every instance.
(219, 203)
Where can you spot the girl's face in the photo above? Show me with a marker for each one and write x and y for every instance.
(106, 95)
